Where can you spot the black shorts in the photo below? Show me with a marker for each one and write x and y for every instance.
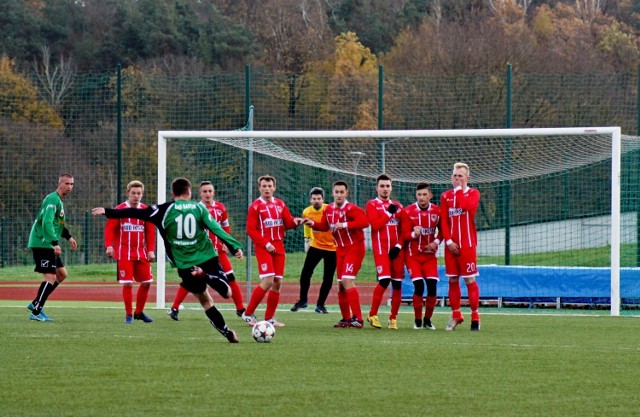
(215, 278)
(46, 260)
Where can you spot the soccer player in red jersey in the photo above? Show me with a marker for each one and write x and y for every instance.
(346, 221)
(458, 208)
(132, 243)
(386, 242)
(218, 211)
(419, 222)
(267, 220)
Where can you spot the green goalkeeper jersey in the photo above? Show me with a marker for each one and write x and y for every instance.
(183, 226)
(49, 224)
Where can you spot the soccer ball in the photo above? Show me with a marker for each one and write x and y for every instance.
(263, 332)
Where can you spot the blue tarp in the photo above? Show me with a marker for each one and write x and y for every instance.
(532, 282)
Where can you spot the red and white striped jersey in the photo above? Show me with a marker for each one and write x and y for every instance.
(267, 221)
(429, 221)
(458, 211)
(385, 227)
(353, 215)
(132, 239)
(219, 213)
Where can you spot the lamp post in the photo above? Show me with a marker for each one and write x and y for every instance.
(358, 156)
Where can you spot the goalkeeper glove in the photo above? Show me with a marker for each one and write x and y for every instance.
(392, 208)
(394, 252)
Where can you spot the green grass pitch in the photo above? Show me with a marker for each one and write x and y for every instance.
(88, 363)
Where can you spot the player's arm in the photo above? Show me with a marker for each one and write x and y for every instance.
(154, 213)
(468, 202)
(377, 218)
(288, 219)
(357, 218)
(150, 238)
(444, 218)
(70, 239)
(48, 231)
(110, 232)
(321, 225)
(233, 245)
(253, 228)
(224, 219)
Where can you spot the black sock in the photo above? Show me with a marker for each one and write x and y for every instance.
(217, 320)
(38, 302)
(419, 322)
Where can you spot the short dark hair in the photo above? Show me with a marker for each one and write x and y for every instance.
(317, 191)
(180, 186)
(340, 183)
(382, 177)
(423, 185)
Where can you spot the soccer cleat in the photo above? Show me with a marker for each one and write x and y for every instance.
(46, 318)
(173, 313)
(231, 336)
(240, 312)
(355, 323)
(475, 326)
(321, 310)
(36, 318)
(275, 322)
(31, 307)
(297, 306)
(249, 319)
(374, 321)
(128, 319)
(143, 317)
(428, 325)
(342, 324)
(392, 324)
(417, 325)
(453, 323)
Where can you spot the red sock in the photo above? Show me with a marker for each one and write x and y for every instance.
(454, 298)
(396, 300)
(474, 300)
(343, 302)
(272, 304)
(141, 298)
(236, 294)
(376, 299)
(256, 297)
(354, 302)
(417, 307)
(179, 298)
(127, 296)
(430, 305)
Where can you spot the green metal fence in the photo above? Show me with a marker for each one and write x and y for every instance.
(110, 122)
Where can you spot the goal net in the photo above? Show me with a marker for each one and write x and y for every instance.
(559, 207)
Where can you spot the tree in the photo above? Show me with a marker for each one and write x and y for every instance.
(19, 98)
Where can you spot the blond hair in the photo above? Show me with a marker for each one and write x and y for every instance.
(459, 165)
(135, 184)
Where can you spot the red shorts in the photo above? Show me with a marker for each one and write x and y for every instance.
(463, 265)
(386, 268)
(349, 260)
(422, 265)
(225, 263)
(138, 271)
(271, 263)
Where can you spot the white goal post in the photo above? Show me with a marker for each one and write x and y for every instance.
(462, 145)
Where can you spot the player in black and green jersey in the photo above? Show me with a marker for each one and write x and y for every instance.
(182, 223)
(48, 229)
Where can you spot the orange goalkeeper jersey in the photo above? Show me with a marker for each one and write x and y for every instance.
(319, 240)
